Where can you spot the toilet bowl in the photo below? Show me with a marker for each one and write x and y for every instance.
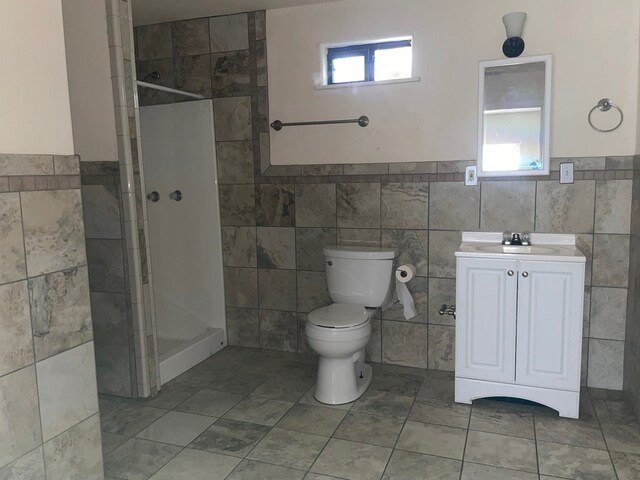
(339, 334)
(359, 281)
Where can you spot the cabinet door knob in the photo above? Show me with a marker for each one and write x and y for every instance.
(525, 274)
(510, 273)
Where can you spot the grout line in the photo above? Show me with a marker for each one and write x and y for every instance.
(466, 437)
(406, 419)
(33, 342)
(535, 441)
(604, 437)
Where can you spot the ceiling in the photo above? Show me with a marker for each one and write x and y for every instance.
(146, 12)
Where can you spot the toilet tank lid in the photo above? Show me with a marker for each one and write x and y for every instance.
(339, 315)
(361, 253)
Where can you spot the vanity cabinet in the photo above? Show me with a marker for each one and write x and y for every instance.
(519, 327)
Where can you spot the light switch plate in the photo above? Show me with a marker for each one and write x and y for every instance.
(471, 175)
(566, 172)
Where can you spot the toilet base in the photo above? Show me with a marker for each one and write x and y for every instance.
(342, 380)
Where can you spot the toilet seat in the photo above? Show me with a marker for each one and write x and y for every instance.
(339, 316)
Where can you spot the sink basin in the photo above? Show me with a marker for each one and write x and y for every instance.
(546, 247)
(526, 249)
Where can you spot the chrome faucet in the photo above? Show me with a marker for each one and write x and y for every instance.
(516, 238)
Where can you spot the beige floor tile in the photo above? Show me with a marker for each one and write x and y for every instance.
(441, 412)
(475, 471)
(230, 437)
(309, 419)
(138, 459)
(415, 466)
(259, 410)
(614, 411)
(197, 465)
(432, 440)
(351, 460)
(289, 449)
(568, 461)
(210, 402)
(177, 428)
(250, 470)
(627, 465)
(387, 404)
(502, 419)
(501, 451)
(569, 431)
(372, 429)
(622, 438)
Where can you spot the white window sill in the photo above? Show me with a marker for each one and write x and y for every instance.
(365, 84)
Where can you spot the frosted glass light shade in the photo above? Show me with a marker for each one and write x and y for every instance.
(514, 23)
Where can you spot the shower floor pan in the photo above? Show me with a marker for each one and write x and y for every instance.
(177, 356)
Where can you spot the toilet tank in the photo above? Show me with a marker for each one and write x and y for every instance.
(359, 275)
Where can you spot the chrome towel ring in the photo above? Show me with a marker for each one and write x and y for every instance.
(604, 105)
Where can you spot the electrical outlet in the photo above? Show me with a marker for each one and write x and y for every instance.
(566, 172)
(471, 175)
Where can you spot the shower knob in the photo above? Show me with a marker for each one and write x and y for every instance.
(176, 195)
(153, 196)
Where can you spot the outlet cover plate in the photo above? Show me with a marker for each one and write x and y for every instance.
(471, 175)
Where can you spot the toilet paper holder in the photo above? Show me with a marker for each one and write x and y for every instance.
(448, 310)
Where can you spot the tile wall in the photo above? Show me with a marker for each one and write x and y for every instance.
(108, 279)
(632, 336)
(273, 234)
(49, 422)
(275, 219)
(117, 244)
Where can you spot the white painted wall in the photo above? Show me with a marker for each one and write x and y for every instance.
(594, 45)
(146, 12)
(34, 93)
(90, 88)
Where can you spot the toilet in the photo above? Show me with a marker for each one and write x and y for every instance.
(359, 281)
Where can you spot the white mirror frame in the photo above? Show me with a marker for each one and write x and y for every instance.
(547, 59)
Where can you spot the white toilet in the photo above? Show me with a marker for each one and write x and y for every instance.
(359, 281)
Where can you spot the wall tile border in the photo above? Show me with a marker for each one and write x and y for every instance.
(444, 172)
(28, 173)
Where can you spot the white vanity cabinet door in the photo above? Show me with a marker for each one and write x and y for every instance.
(549, 337)
(486, 295)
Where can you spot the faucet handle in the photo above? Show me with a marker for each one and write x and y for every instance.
(526, 238)
(506, 238)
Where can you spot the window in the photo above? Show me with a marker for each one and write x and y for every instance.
(372, 62)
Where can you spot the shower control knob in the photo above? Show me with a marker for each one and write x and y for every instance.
(176, 195)
(153, 196)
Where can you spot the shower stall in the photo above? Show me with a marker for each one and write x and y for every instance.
(180, 176)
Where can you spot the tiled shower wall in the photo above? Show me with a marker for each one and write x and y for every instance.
(108, 279)
(49, 421)
(632, 338)
(275, 219)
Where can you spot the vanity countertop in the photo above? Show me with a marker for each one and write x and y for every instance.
(544, 246)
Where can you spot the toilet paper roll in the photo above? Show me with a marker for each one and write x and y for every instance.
(405, 272)
(405, 298)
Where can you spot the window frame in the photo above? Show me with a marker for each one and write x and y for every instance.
(368, 51)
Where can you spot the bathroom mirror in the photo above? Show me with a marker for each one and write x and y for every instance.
(513, 121)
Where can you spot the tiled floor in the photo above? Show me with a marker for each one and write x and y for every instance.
(250, 414)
